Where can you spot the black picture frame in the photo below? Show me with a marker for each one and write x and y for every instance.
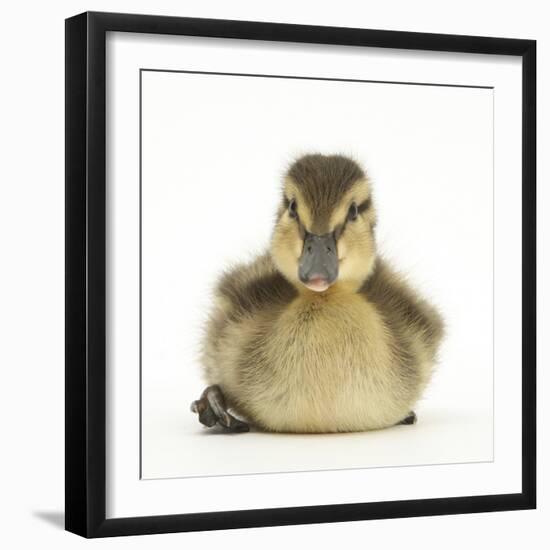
(85, 453)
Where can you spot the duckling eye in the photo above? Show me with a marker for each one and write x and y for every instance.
(353, 212)
(292, 209)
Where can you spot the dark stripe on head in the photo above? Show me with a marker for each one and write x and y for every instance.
(323, 181)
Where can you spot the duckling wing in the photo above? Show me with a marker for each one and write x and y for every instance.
(244, 296)
(249, 288)
(405, 312)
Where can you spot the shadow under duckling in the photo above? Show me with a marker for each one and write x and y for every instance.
(318, 335)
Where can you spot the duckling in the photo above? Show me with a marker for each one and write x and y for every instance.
(318, 334)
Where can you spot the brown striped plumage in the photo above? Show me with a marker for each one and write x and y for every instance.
(352, 357)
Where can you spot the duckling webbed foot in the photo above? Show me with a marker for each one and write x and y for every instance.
(212, 410)
(409, 419)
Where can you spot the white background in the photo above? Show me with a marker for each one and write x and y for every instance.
(127, 496)
(31, 221)
(212, 166)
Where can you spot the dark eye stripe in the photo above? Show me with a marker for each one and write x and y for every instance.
(339, 229)
(363, 206)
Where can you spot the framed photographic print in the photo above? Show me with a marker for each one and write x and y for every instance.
(300, 274)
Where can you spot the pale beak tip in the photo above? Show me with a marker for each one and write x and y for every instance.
(317, 284)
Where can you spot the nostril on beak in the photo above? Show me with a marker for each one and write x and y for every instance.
(309, 248)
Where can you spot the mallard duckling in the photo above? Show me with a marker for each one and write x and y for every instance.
(318, 334)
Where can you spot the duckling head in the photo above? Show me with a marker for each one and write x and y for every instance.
(324, 233)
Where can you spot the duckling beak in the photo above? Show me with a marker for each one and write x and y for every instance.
(318, 264)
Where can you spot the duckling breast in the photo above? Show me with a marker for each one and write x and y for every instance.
(323, 365)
